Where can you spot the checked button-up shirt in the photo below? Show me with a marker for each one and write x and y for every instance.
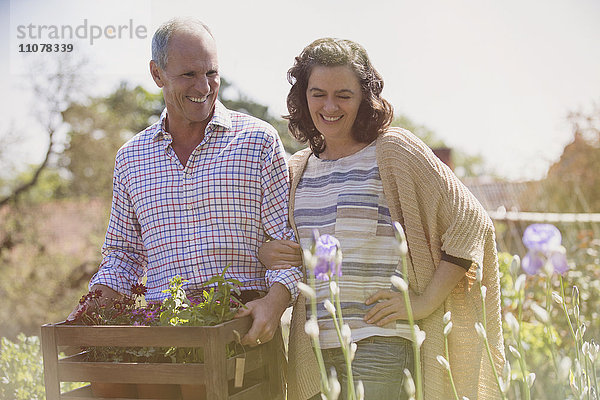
(194, 220)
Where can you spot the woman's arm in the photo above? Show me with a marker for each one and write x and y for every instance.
(390, 305)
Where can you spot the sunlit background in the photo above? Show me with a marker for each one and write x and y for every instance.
(490, 78)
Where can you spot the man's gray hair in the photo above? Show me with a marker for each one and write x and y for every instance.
(160, 40)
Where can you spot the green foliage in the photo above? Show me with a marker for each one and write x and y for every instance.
(573, 183)
(21, 369)
(217, 306)
(98, 128)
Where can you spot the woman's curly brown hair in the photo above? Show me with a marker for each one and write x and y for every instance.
(374, 113)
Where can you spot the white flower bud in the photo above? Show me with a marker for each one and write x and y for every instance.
(346, 334)
(447, 317)
(530, 379)
(540, 313)
(409, 384)
(403, 248)
(360, 390)
(585, 348)
(353, 347)
(309, 260)
(334, 386)
(575, 295)
(334, 288)
(479, 274)
(506, 371)
(557, 298)
(512, 322)
(593, 351)
(420, 335)
(483, 292)
(399, 283)
(520, 283)
(338, 258)
(329, 307)
(448, 328)
(480, 330)
(311, 327)
(564, 367)
(515, 265)
(443, 362)
(514, 352)
(307, 291)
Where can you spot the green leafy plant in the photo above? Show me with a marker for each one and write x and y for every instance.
(217, 305)
(22, 370)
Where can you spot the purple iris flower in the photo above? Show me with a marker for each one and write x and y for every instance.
(326, 249)
(543, 242)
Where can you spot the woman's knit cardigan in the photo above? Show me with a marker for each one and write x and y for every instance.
(438, 214)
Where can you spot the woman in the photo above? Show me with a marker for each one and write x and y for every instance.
(357, 177)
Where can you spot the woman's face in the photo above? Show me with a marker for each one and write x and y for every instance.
(334, 96)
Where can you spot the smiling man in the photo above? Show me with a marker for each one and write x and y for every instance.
(200, 189)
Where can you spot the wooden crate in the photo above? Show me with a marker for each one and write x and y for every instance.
(215, 373)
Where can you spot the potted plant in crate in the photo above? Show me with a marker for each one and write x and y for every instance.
(217, 304)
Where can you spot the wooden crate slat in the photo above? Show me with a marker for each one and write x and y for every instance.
(214, 373)
(130, 372)
(84, 392)
(124, 336)
(254, 392)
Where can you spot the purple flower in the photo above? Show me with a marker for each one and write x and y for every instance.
(326, 252)
(543, 242)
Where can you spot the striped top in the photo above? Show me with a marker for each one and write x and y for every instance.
(344, 198)
(193, 220)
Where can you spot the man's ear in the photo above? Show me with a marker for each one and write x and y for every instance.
(156, 72)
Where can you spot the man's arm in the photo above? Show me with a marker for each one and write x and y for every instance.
(282, 284)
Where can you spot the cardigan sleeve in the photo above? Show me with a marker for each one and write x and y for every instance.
(444, 203)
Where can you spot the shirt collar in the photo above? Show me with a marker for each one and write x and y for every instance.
(221, 117)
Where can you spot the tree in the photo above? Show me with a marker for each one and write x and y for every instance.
(98, 128)
(53, 92)
(572, 184)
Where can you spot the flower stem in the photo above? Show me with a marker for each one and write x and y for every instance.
(338, 323)
(450, 370)
(315, 340)
(489, 351)
(415, 340)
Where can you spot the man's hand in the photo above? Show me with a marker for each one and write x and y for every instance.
(280, 254)
(106, 296)
(266, 313)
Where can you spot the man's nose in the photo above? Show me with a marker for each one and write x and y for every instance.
(201, 85)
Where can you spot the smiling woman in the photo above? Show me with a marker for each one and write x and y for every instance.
(356, 179)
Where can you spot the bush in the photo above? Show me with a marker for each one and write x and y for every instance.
(22, 370)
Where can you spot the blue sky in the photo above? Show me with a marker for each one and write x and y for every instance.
(495, 78)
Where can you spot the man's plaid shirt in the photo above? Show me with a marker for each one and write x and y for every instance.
(193, 221)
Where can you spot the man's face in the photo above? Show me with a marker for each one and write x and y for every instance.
(190, 81)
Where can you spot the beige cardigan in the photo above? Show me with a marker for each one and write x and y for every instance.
(438, 214)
